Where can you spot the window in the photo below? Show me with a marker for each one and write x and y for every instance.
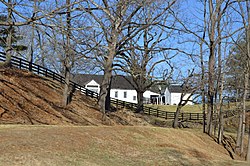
(116, 93)
(92, 86)
(125, 95)
(134, 98)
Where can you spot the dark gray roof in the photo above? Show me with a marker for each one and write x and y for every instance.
(118, 81)
(158, 88)
(175, 88)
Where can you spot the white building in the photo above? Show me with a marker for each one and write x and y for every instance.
(173, 95)
(121, 89)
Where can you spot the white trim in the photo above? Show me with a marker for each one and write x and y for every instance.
(93, 83)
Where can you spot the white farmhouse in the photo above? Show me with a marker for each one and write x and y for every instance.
(173, 95)
(120, 89)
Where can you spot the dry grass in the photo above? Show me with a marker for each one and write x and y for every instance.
(26, 98)
(172, 108)
(119, 145)
(196, 108)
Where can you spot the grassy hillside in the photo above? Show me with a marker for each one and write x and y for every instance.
(26, 98)
(119, 145)
(50, 134)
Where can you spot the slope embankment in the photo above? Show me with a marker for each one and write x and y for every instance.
(76, 135)
(26, 98)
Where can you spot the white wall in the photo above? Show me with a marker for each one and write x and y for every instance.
(189, 102)
(175, 98)
(167, 96)
(170, 98)
(93, 83)
(131, 95)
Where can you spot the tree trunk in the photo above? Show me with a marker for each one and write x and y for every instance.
(248, 70)
(221, 120)
(248, 149)
(239, 130)
(31, 58)
(66, 86)
(107, 102)
(219, 86)
(211, 64)
(139, 102)
(9, 48)
(67, 65)
(105, 84)
(203, 69)
(210, 91)
(246, 78)
(221, 127)
(204, 110)
(176, 118)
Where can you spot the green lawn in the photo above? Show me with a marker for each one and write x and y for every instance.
(172, 108)
(197, 108)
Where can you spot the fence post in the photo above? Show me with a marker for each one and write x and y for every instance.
(149, 109)
(197, 116)
(46, 72)
(92, 94)
(38, 70)
(182, 117)
(123, 104)
(20, 63)
(190, 116)
(30, 66)
(53, 76)
(157, 113)
(166, 115)
(116, 104)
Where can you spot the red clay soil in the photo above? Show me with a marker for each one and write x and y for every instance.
(26, 98)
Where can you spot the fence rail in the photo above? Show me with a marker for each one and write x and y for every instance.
(37, 69)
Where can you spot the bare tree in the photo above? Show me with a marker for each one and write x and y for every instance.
(216, 11)
(189, 87)
(118, 24)
(9, 48)
(18, 18)
(68, 53)
(142, 58)
(203, 81)
(245, 16)
(213, 14)
(248, 148)
(32, 45)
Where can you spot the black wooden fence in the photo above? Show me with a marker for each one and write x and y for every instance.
(37, 69)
